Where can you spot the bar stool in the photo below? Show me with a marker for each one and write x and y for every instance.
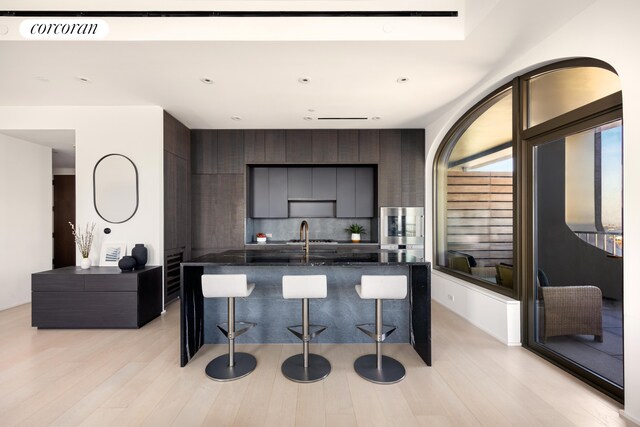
(231, 366)
(377, 368)
(306, 367)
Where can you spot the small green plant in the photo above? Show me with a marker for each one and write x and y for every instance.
(355, 229)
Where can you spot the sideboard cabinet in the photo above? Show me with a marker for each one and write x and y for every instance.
(99, 297)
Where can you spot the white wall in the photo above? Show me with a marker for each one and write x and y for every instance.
(26, 221)
(607, 30)
(136, 132)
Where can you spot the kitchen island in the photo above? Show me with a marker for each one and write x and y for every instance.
(340, 311)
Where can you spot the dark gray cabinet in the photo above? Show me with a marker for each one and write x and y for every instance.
(311, 183)
(100, 297)
(324, 184)
(355, 192)
(269, 193)
(300, 183)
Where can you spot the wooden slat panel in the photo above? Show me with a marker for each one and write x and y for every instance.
(480, 246)
(501, 181)
(479, 189)
(479, 221)
(469, 180)
(461, 173)
(465, 238)
(479, 197)
(479, 214)
(490, 254)
(479, 230)
(480, 205)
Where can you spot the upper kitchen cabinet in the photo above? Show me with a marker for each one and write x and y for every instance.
(299, 146)
(311, 183)
(401, 168)
(369, 146)
(268, 193)
(355, 192)
(264, 146)
(324, 146)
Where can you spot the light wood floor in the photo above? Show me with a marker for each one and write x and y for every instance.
(132, 377)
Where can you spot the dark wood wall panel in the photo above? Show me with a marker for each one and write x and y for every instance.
(369, 145)
(324, 146)
(204, 151)
(348, 150)
(218, 220)
(413, 170)
(389, 173)
(231, 151)
(480, 216)
(299, 146)
(275, 146)
(254, 146)
(177, 195)
(175, 135)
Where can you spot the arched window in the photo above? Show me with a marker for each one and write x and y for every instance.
(475, 194)
(528, 203)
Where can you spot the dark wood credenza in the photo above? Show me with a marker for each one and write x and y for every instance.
(100, 297)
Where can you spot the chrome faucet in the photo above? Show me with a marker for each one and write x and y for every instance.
(304, 228)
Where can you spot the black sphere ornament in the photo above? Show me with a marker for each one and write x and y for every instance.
(127, 263)
(139, 252)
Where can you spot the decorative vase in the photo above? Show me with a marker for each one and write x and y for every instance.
(139, 253)
(85, 263)
(127, 263)
(355, 237)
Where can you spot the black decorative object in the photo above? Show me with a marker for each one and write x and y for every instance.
(127, 263)
(139, 252)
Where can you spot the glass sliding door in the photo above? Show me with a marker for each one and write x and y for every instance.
(575, 294)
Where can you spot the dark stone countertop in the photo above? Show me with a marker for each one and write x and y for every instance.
(296, 257)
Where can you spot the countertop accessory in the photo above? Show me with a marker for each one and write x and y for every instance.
(232, 366)
(111, 252)
(356, 230)
(140, 253)
(261, 238)
(305, 367)
(127, 263)
(377, 368)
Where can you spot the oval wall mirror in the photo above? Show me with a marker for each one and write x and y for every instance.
(115, 188)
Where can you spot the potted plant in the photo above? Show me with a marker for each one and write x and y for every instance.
(261, 238)
(83, 241)
(356, 230)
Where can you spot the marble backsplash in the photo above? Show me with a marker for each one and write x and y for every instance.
(319, 228)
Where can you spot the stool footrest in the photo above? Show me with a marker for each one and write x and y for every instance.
(314, 331)
(386, 331)
(240, 328)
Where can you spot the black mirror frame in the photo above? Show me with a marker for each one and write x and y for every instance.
(95, 206)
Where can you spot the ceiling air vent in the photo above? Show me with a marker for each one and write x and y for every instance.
(342, 118)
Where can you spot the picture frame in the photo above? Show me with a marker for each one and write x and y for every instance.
(111, 253)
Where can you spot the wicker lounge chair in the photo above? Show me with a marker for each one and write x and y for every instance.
(572, 310)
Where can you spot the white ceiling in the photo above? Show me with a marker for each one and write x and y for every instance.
(61, 141)
(258, 80)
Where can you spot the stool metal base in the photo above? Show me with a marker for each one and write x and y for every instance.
(392, 371)
(293, 368)
(218, 369)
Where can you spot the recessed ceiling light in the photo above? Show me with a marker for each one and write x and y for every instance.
(308, 118)
(402, 79)
(236, 118)
(206, 80)
(83, 79)
(304, 80)
(376, 118)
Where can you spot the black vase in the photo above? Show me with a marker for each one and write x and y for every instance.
(139, 252)
(127, 263)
